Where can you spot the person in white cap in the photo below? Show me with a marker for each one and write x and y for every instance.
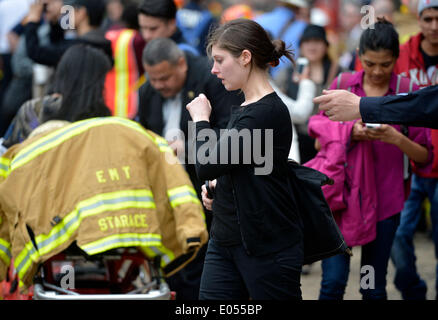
(419, 55)
(283, 23)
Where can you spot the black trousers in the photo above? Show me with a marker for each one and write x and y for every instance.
(231, 274)
(5, 64)
(186, 282)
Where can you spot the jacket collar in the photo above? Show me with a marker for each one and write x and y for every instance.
(414, 47)
(178, 36)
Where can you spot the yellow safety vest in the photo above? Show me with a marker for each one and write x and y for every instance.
(121, 84)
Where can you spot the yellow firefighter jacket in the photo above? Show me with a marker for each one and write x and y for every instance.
(104, 183)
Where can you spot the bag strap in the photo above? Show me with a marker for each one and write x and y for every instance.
(403, 85)
(343, 79)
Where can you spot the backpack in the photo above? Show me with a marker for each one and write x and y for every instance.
(322, 237)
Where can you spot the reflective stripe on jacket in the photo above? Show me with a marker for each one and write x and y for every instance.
(4, 167)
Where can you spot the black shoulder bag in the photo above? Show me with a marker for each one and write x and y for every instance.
(322, 237)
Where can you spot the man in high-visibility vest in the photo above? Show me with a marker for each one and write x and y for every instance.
(123, 81)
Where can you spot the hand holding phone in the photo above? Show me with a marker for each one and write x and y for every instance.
(209, 190)
(373, 125)
(301, 64)
(208, 194)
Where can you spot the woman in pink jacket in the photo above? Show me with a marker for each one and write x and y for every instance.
(369, 164)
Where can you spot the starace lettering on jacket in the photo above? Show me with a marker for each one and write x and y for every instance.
(123, 221)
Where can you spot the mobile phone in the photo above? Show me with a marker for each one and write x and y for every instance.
(301, 64)
(209, 190)
(373, 125)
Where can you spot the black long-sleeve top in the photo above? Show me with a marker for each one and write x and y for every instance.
(50, 55)
(266, 210)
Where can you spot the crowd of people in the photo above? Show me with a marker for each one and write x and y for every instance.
(246, 65)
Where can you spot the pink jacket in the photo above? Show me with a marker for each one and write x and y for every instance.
(369, 175)
(347, 166)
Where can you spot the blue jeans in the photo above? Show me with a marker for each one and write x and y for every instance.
(407, 280)
(231, 274)
(335, 270)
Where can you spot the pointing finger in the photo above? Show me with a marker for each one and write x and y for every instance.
(321, 99)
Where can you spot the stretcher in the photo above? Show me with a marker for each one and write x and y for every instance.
(118, 274)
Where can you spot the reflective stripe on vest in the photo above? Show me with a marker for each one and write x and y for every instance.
(122, 240)
(59, 136)
(120, 94)
(5, 251)
(4, 167)
(114, 201)
(181, 195)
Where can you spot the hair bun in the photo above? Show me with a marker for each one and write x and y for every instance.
(279, 48)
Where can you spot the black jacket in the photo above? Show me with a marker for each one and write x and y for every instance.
(199, 80)
(417, 109)
(267, 213)
(51, 54)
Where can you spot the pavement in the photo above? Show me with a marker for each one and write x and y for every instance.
(426, 264)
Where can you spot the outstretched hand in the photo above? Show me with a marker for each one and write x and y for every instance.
(339, 105)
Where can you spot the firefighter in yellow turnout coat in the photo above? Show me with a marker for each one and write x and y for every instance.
(104, 183)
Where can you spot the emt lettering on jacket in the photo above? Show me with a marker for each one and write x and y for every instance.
(113, 174)
(123, 221)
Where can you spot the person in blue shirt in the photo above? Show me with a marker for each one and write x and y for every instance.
(282, 23)
(195, 20)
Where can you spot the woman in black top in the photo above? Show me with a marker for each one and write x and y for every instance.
(256, 245)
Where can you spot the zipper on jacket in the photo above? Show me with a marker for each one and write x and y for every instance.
(360, 208)
(238, 217)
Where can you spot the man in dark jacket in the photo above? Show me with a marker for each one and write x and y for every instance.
(88, 16)
(175, 78)
(417, 109)
(157, 19)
